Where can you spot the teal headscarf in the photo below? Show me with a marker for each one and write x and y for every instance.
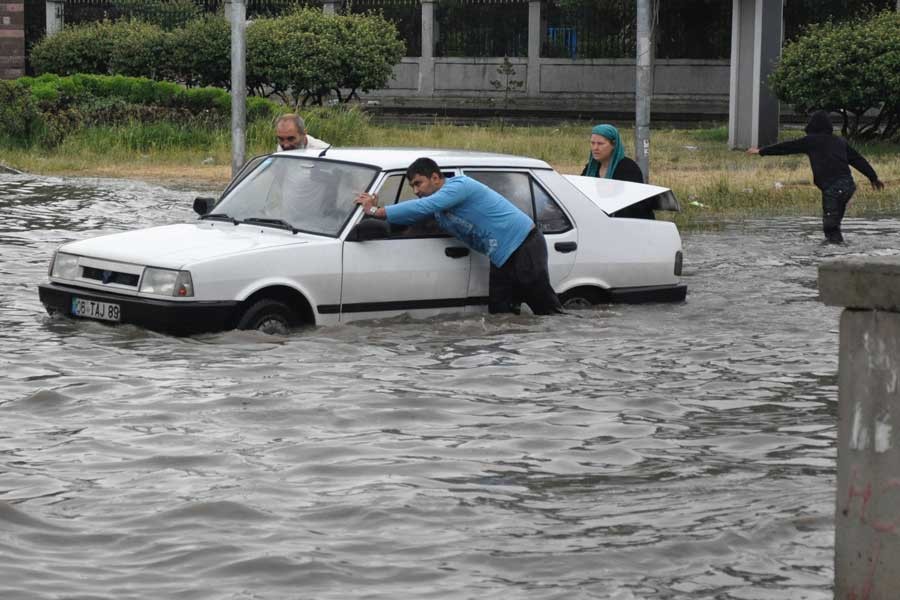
(612, 134)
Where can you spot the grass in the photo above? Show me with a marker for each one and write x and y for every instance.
(713, 183)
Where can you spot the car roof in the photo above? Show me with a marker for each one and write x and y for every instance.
(389, 159)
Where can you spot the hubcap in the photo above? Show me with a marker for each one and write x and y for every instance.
(273, 326)
(577, 303)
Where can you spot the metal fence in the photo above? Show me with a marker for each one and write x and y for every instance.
(595, 29)
(481, 28)
(170, 14)
(406, 15)
(569, 28)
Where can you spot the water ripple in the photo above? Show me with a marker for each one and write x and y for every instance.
(627, 452)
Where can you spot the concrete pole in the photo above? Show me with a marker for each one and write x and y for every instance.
(533, 77)
(643, 87)
(238, 15)
(55, 11)
(867, 508)
(426, 62)
(756, 38)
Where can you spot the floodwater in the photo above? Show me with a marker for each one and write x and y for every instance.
(627, 452)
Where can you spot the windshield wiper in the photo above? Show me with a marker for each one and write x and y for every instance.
(274, 223)
(220, 217)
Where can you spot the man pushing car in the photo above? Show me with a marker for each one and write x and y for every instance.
(487, 222)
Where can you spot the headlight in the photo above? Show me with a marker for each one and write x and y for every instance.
(166, 282)
(65, 266)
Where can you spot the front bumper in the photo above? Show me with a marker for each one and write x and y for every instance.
(167, 316)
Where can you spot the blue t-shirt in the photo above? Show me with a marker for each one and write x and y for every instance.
(473, 213)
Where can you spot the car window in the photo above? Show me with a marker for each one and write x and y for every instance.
(312, 195)
(396, 189)
(514, 186)
(248, 167)
(522, 190)
(550, 217)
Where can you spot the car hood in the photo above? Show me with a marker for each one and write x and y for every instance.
(177, 246)
(612, 195)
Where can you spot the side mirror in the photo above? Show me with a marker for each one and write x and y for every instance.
(369, 229)
(202, 205)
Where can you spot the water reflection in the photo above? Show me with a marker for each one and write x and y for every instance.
(661, 451)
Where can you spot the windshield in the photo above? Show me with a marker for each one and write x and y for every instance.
(314, 196)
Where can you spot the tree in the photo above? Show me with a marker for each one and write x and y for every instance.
(852, 68)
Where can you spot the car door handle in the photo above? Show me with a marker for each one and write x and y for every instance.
(566, 246)
(456, 252)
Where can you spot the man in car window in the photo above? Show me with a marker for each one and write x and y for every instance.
(488, 223)
(290, 133)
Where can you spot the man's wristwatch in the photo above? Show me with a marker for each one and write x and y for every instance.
(373, 210)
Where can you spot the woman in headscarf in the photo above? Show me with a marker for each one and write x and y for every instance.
(830, 158)
(607, 160)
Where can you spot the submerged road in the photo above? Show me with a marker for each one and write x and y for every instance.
(626, 452)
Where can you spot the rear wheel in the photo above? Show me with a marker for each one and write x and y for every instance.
(579, 298)
(268, 316)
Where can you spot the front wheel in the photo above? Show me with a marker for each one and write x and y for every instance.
(268, 316)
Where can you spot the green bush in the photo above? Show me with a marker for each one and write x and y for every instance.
(101, 48)
(305, 56)
(851, 68)
(370, 47)
(200, 53)
(63, 105)
(302, 57)
(75, 49)
(296, 57)
(19, 117)
(138, 53)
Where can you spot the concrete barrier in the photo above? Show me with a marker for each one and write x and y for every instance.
(867, 514)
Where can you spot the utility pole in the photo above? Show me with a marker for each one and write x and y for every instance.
(238, 84)
(643, 87)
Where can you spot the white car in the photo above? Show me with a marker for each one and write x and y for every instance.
(285, 245)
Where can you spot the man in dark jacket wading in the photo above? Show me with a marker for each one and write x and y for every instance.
(830, 158)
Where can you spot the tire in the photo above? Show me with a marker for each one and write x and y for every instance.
(579, 299)
(268, 316)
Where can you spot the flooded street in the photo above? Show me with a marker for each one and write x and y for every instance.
(628, 452)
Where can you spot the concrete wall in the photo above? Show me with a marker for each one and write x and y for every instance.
(867, 511)
(683, 86)
(12, 40)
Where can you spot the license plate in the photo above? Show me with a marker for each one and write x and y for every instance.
(92, 309)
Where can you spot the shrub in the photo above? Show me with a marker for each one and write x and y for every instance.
(851, 68)
(296, 57)
(302, 57)
(101, 48)
(370, 47)
(200, 53)
(19, 118)
(137, 48)
(65, 104)
(75, 49)
(306, 55)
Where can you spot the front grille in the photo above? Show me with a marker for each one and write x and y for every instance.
(110, 276)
